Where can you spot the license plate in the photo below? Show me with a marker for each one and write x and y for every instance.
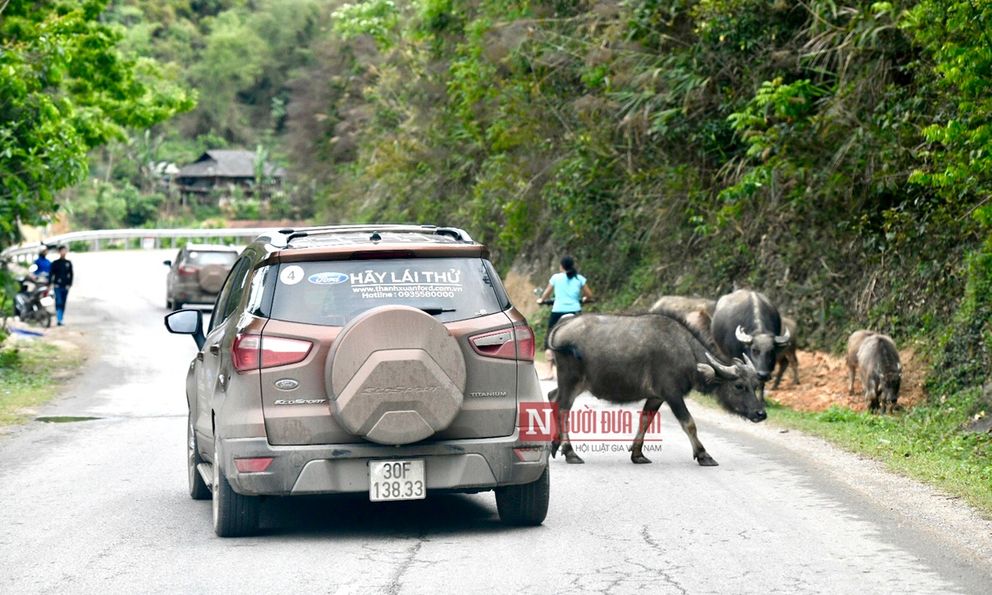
(397, 480)
(47, 302)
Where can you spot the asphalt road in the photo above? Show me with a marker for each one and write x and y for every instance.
(101, 505)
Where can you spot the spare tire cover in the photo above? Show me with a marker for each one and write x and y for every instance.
(395, 376)
(211, 277)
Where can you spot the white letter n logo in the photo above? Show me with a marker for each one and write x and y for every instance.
(537, 421)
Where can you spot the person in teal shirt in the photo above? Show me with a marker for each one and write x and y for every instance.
(570, 292)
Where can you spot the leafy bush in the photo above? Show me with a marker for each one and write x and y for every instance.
(98, 205)
(105, 205)
(964, 352)
(246, 208)
(377, 18)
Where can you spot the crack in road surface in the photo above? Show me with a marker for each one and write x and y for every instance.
(656, 547)
(395, 582)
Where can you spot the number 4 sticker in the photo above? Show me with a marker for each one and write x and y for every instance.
(291, 275)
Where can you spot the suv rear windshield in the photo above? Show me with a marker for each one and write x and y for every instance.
(333, 292)
(205, 257)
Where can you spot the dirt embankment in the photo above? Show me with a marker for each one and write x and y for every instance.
(823, 381)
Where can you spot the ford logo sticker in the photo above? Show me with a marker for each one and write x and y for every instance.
(327, 278)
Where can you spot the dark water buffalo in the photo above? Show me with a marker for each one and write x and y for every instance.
(787, 356)
(683, 305)
(657, 357)
(747, 323)
(876, 358)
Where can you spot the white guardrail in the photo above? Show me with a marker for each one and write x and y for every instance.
(149, 238)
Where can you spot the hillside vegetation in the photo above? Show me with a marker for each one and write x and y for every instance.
(823, 152)
(835, 155)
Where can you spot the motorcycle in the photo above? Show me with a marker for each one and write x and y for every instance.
(34, 301)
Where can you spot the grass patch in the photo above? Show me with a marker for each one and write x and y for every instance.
(926, 443)
(30, 374)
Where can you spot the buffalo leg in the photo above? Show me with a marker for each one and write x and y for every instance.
(871, 395)
(651, 407)
(794, 361)
(565, 396)
(783, 363)
(689, 427)
(566, 444)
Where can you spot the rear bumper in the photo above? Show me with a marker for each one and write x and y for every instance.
(456, 465)
(191, 293)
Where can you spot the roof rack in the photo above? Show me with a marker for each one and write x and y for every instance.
(289, 235)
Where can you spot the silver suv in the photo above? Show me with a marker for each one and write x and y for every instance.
(385, 359)
(197, 274)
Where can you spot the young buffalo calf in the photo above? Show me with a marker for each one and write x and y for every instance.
(876, 358)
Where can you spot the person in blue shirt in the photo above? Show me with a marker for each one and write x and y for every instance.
(42, 266)
(570, 291)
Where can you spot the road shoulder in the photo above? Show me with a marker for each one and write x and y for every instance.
(35, 370)
(915, 515)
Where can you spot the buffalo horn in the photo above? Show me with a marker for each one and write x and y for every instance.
(783, 340)
(742, 336)
(727, 372)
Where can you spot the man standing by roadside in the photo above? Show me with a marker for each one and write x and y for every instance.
(61, 281)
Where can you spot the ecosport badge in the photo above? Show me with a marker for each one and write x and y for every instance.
(299, 401)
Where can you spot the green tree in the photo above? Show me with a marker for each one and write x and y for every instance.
(65, 88)
(959, 37)
(232, 61)
(98, 205)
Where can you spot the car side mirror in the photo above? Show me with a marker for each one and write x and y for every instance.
(187, 322)
(167, 263)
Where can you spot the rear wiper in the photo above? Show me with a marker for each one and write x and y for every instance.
(434, 311)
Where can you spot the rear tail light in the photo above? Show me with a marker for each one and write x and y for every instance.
(187, 271)
(531, 454)
(253, 465)
(512, 343)
(526, 343)
(252, 352)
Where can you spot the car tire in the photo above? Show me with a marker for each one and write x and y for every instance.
(525, 505)
(177, 305)
(198, 489)
(235, 515)
(168, 304)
